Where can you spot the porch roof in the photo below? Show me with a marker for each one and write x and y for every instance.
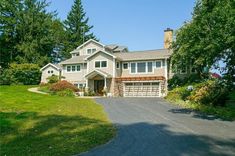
(98, 72)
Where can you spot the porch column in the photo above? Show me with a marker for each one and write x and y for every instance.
(105, 83)
(86, 88)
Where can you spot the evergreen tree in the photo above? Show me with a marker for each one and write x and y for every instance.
(9, 12)
(77, 28)
(28, 33)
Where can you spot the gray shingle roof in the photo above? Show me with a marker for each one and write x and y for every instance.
(144, 55)
(58, 66)
(75, 59)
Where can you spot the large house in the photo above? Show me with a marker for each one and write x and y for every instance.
(116, 70)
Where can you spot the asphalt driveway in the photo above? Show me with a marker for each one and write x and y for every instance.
(153, 127)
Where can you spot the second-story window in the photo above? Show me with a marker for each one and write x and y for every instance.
(158, 64)
(68, 68)
(118, 65)
(90, 51)
(99, 64)
(150, 67)
(125, 65)
(78, 67)
(133, 67)
(73, 68)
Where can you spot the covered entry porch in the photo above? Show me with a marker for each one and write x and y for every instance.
(99, 82)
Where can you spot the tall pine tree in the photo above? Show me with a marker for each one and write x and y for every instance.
(28, 33)
(77, 28)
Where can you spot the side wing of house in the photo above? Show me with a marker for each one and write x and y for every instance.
(49, 70)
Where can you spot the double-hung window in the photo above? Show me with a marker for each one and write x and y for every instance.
(117, 65)
(150, 67)
(68, 68)
(73, 68)
(125, 65)
(78, 67)
(91, 50)
(158, 64)
(133, 67)
(97, 64)
(103, 63)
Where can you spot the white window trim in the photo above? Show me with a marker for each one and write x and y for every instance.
(118, 63)
(100, 64)
(91, 51)
(184, 72)
(156, 64)
(123, 65)
(146, 67)
(66, 71)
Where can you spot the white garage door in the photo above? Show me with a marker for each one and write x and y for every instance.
(142, 89)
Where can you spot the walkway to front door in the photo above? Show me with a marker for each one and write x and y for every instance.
(98, 87)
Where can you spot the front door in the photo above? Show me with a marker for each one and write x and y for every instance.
(98, 86)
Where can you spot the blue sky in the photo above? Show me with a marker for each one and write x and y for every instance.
(138, 24)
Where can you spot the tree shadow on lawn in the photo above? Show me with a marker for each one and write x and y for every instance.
(28, 133)
(68, 135)
(145, 139)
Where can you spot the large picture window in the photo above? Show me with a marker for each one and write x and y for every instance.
(141, 67)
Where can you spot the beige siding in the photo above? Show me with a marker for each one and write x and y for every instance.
(45, 73)
(83, 51)
(77, 76)
(101, 57)
(118, 70)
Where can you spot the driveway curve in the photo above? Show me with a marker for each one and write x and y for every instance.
(153, 127)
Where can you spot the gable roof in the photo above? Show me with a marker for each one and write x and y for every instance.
(56, 66)
(90, 40)
(74, 60)
(107, 53)
(144, 55)
(99, 72)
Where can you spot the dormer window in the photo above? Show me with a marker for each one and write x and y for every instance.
(75, 54)
(90, 51)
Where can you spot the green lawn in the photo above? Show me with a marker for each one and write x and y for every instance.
(34, 124)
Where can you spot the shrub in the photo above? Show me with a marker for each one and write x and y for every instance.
(210, 92)
(89, 92)
(53, 79)
(5, 77)
(27, 74)
(66, 92)
(179, 93)
(63, 85)
(175, 81)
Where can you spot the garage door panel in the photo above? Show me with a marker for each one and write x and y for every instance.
(142, 89)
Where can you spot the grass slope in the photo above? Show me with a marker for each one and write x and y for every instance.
(41, 125)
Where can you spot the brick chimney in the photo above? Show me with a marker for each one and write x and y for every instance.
(168, 37)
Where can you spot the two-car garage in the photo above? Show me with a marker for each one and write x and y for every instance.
(141, 89)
